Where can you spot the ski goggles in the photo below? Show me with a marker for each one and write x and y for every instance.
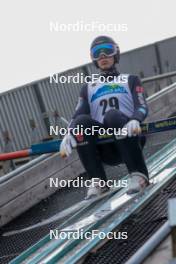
(105, 49)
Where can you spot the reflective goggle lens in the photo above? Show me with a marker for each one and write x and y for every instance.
(106, 49)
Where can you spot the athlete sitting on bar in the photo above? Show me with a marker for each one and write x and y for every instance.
(112, 104)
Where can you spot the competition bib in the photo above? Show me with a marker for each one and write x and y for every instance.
(110, 95)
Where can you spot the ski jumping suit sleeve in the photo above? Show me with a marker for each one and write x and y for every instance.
(82, 105)
(140, 105)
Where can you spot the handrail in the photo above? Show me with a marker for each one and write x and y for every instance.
(163, 91)
(24, 167)
(159, 76)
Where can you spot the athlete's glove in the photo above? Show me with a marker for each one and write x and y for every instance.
(133, 128)
(67, 144)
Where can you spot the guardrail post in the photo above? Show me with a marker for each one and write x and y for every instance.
(8, 165)
(42, 106)
(60, 119)
(158, 58)
(33, 134)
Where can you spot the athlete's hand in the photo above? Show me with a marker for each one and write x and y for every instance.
(133, 128)
(67, 144)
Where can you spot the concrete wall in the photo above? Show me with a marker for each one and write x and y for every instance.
(29, 187)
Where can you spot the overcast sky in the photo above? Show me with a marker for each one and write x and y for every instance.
(30, 50)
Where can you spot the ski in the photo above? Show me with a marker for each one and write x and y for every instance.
(75, 210)
(115, 203)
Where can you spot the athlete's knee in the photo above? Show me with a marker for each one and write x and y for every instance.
(115, 118)
(84, 120)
